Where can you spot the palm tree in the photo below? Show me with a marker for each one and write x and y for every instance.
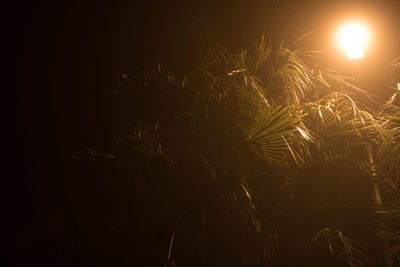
(250, 159)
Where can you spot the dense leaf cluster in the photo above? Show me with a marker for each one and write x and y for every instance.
(255, 158)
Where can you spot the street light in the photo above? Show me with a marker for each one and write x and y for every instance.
(353, 37)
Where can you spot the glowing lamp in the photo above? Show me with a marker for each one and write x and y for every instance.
(353, 38)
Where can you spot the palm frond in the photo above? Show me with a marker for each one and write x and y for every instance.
(331, 246)
(273, 134)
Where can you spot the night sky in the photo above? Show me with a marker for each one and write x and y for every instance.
(70, 54)
(66, 57)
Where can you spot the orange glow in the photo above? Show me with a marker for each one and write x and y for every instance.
(353, 38)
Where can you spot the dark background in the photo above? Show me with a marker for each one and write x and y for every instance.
(69, 54)
(63, 62)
